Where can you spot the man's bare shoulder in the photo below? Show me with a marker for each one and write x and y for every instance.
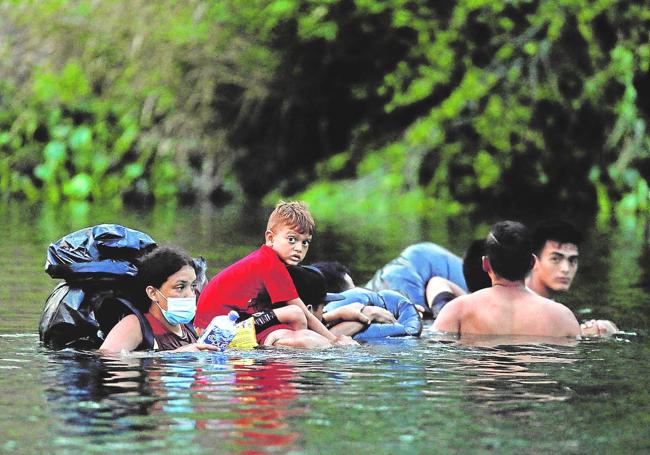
(562, 315)
(552, 304)
(474, 298)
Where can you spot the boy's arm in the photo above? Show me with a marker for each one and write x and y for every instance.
(312, 321)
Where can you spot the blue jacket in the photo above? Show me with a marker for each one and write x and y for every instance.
(408, 318)
(410, 272)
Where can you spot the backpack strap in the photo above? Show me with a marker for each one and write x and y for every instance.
(190, 328)
(147, 331)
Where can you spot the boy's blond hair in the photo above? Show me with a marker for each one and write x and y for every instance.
(294, 214)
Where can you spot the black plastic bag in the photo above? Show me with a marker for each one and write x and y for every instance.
(103, 252)
(74, 317)
(99, 267)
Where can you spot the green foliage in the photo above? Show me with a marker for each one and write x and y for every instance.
(122, 101)
(509, 104)
(537, 96)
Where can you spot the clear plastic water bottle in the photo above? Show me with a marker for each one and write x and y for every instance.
(220, 331)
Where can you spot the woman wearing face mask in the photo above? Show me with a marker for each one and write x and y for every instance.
(167, 275)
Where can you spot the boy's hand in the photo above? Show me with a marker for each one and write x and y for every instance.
(344, 340)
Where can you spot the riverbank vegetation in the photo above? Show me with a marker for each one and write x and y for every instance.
(450, 105)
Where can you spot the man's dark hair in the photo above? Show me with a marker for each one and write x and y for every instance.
(334, 273)
(509, 248)
(560, 231)
(309, 283)
(475, 277)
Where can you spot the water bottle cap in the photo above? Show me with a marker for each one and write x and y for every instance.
(233, 315)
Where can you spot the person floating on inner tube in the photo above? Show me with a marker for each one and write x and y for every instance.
(359, 313)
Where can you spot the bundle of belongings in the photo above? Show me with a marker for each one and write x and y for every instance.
(98, 266)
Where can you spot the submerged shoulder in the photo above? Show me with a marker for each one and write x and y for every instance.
(126, 334)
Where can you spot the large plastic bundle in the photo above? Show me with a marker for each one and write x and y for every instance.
(99, 268)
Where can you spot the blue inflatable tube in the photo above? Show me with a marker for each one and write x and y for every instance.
(410, 272)
(408, 318)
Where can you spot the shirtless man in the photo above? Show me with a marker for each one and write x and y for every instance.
(508, 307)
(555, 245)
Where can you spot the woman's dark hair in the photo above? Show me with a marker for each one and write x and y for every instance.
(509, 248)
(156, 267)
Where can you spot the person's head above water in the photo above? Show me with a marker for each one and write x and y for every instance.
(475, 277)
(309, 283)
(555, 244)
(508, 249)
(167, 276)
(289, 231)
(155, 267)
(337, 276)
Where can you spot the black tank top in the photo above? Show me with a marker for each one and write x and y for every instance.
(167, 340)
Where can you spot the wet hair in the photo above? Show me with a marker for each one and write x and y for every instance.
(509, 248)
(156, 267)
(475, 277)
(309, 283)
(294, 214)
(560, 231)
(334, 273)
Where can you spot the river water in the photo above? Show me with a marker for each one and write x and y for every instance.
(404, 395)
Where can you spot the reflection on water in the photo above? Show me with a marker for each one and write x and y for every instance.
(395, 396)
(98, 401)
(508, 378)
(259, 400)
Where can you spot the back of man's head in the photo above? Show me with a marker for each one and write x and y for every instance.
(335, 275)
(475, 276)
(554, 229)
(509, 248)
(309, 283)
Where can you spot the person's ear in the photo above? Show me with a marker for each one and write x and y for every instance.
(310, 308)
(268, 237)
(485, 262)
(151, 293)
(533, 261)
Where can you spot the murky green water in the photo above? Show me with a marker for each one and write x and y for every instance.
(400, 396)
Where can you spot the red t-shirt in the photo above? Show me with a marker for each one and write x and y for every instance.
(237, 284)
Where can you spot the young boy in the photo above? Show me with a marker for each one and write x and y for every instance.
(288, 233)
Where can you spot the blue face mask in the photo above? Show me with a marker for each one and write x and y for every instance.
(180, 310)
